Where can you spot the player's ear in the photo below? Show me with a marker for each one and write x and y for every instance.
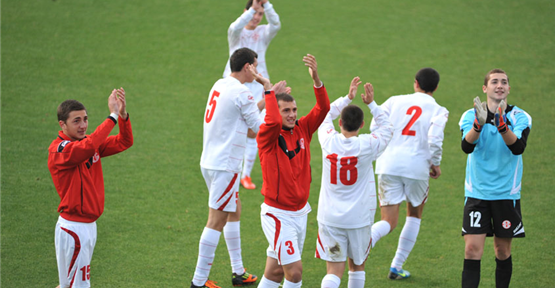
(340, 123)
(62, 124)
(362, 125)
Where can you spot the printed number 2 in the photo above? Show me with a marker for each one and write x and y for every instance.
(348, 172)
(290, 249)
(212, 104)
(406, 130)
(86, 272)
(475, 217)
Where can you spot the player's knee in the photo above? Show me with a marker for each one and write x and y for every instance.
(473, 251)
(294, 276)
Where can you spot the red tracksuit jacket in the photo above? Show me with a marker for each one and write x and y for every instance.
(285, 154)
(77, 172)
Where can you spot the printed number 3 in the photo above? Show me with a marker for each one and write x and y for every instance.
(406, 130)
(212, 104)
(289, 245)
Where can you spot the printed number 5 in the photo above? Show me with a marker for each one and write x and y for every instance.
(212, 104)
(289, 245)
(406, 130)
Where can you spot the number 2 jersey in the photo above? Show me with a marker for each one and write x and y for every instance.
(348, 193)
(418, 123)
(230, 111)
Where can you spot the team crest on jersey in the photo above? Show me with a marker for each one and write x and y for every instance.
(302, 143)
(251, 98)
(62, 145)
(329, 130)
(506, 224)
(96, 157)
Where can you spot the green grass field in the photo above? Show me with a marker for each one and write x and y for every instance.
(167, 55)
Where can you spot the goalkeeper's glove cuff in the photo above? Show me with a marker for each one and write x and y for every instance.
(477, 126)
(502, 129)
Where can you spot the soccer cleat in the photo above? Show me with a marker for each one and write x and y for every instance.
(208, 284)
(243, 279)
(247, 183)
(395, 274)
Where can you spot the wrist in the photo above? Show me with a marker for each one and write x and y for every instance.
(477, 126)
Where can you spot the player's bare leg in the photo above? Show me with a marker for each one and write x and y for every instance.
(473, 251)
(390, 216)
(504, 261)
(334, 273)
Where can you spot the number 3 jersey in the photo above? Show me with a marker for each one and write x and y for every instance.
(418, 123)
(230, 111)
(348, 193)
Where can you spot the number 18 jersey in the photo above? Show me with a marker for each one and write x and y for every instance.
(348, 194)
(417, 141)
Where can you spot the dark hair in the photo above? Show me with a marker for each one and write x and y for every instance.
(494, 71)
(249, 5)
(67, 107)
(427, 78)
(284, 97)
(241, 57)
(351, 118)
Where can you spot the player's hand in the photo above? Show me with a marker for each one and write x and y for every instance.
(368, 95)
(310, 62)
(257, 6)
(435, 171)
(259, 78)
(122, 104)
(480, 113)
(113, 102)
(262, 2)
(288, 90)
(280, 87)
(354, 87)
(500, 117)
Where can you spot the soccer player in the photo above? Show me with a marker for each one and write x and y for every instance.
(76, 169)
(408, 162)
(246, 32)
(494, 136)
(347, 201)
(230, 111)
(284, 149)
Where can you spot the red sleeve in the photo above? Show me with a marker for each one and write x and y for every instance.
(118, 143)
(72, 153)
(270, 129)
(318, 113)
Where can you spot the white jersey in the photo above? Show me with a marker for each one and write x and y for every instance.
(230, 110)
(418, 136)
(348, 193)
(256, 40)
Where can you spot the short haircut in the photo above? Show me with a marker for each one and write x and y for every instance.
(241, 57)
(351, 118)
(427, 78)
(67, 107)
(494, 71)
(284, 97)
(249, 5)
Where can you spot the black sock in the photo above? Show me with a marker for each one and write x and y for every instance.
(471, 273)
(503, 272)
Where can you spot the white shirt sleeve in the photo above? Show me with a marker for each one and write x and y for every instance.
(436, 134)
(273, 22)
(249, 110)
(234, 31)
(327, 128)
(382, 129)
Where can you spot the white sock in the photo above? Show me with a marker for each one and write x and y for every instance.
(331, 281)
(379, 229)
(251, 151)
(287, 284)
(265, 283)
(206, 250)
(356, 279)
(232, 235)
(407, 239)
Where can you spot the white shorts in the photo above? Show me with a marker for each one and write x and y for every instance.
(75, 243)
(336, 244)
(393, 190)
(223, 188)
(286, 235)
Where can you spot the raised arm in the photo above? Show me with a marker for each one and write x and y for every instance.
(234, 30)
(382, 129)
(274, 25)
(124, 139)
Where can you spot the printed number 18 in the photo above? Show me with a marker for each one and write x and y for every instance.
(348, 168)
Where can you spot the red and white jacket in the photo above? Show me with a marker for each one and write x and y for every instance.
(285, 154)
(77, 171)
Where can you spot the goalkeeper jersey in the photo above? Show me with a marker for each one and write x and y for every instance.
(493, 172)
(348, 193)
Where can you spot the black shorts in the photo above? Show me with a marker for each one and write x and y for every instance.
(501, 218)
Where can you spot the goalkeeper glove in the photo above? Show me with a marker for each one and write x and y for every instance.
(501, 118)
(480, 113)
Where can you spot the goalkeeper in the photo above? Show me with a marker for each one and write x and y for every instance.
(494, 136)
